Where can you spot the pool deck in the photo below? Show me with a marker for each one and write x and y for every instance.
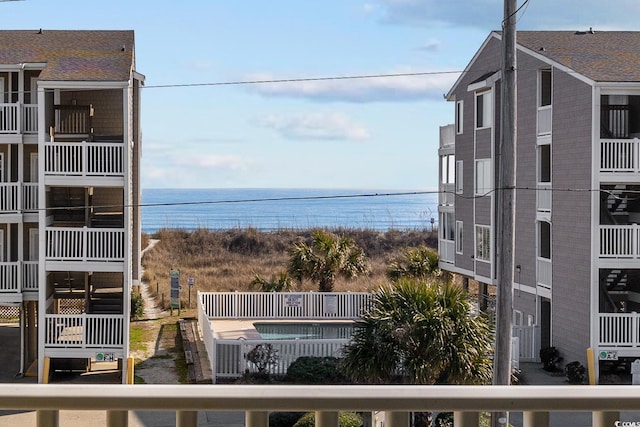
(232, 329)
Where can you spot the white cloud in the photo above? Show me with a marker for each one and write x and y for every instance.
(206, 161)
(373, 89)
(430, 46)
(319, 126)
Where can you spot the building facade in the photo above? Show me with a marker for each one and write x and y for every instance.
(577, 240)
(70, 147)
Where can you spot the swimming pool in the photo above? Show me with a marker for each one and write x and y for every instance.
(304, 331)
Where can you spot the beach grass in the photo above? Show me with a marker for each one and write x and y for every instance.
(228, 260)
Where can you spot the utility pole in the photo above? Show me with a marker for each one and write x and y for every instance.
(506, 206)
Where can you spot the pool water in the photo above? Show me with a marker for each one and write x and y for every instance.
(304, 331)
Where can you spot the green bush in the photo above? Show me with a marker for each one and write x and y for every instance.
(345, 419)
(137, 306)
(315, 370)
(284, 419)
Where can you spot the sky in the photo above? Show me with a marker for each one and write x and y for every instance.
(370, 133)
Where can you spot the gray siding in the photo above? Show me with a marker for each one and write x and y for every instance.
(571, 216)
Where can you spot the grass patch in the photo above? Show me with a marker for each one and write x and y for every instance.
(139, 337)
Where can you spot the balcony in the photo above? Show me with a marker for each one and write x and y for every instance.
(446, 249)
(18, 118)
(84, 331)
(256, 401)
(543, 272)
(19, 276)
(620, 241)
(544, 195)
(18, 197)
(545, 118)
(84, 244)
(84, 159)
(619, 332)
(619, 159)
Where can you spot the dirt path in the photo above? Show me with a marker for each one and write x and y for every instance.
(156, 344)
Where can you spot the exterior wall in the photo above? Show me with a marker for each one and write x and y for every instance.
(525, 303)
(571, 216)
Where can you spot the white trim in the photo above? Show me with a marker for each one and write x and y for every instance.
(524, 288)
(476, 228)
(487, 83)
(483, 279)
(49, 84)
(594, 307)
(487, 110)
(459, 237)
(459, 177)
(455, 269)
(459, 117)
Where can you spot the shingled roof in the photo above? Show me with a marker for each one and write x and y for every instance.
(72, 55)
(602, 56)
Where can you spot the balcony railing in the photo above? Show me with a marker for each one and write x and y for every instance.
(545, 118)
(256, 401)
(620, 241)
(447, 136)
(18, 276)
(84, 158)
(16, 197)
(619, 155)
(619, 330)
(16, 118)
(543, 272)
(73, 119)
(447, 195)
(544, 197)
(84, 244)
(84, 331)
(447, 248)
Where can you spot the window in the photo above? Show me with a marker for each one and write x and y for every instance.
(544, 86)
(544, 240)
(544, 163)
(459, 236)
(483, 243)
(459, 173)
(483, 109)
(447, 224)
(459, 117)
(447, 170)
(483, 177)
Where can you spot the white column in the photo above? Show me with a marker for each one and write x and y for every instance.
(256, 419)
(46, 418)
(466, 419)
(604, 419)
(326, 419)
(396, 419)
(186, 418)
(117, 418)
(535, 419)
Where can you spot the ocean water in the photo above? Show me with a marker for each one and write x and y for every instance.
(274, 209)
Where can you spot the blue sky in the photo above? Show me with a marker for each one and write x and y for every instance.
(369, 133)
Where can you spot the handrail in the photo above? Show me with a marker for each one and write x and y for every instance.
(602, 401)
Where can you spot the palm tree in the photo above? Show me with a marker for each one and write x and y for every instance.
(420, 332)
(327, 258)
(281, 283)
(418, 262)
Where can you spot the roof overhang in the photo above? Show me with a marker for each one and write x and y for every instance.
(23, 66)
(485, 83)
(81, 84)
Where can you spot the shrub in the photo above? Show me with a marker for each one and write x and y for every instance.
(345, 419)
(137, 306)
(263, 356)
(550, 357)
(284, 419)
(315, 370)
(575, 372)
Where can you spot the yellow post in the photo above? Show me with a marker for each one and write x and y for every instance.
(45, 370)
(130, 371)
(591, 366)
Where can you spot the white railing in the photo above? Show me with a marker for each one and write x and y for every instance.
(447, 250)
(207, 334)
(84, 331)
(84, 158)
(231, 355)
(84, 244)
(30, 196)
(285, 305)
(9, 118)
(620, 241)
(529, 345)
(618, 330)
(545, 118)
(15, 118)
(619, 155)
(543, 272)
(9, 201)
(604, 403)
(544, 197)
(9, 277)
(30, 276)
(447, 195)
(30, 119)
(447, 135)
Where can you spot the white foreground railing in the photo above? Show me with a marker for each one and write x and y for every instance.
(84, 331)
(84, 244)
(284, 305)
(620, 241)
(619, 155)
(84, 158)
(536, 402)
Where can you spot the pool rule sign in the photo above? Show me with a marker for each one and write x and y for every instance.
(175, 290)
